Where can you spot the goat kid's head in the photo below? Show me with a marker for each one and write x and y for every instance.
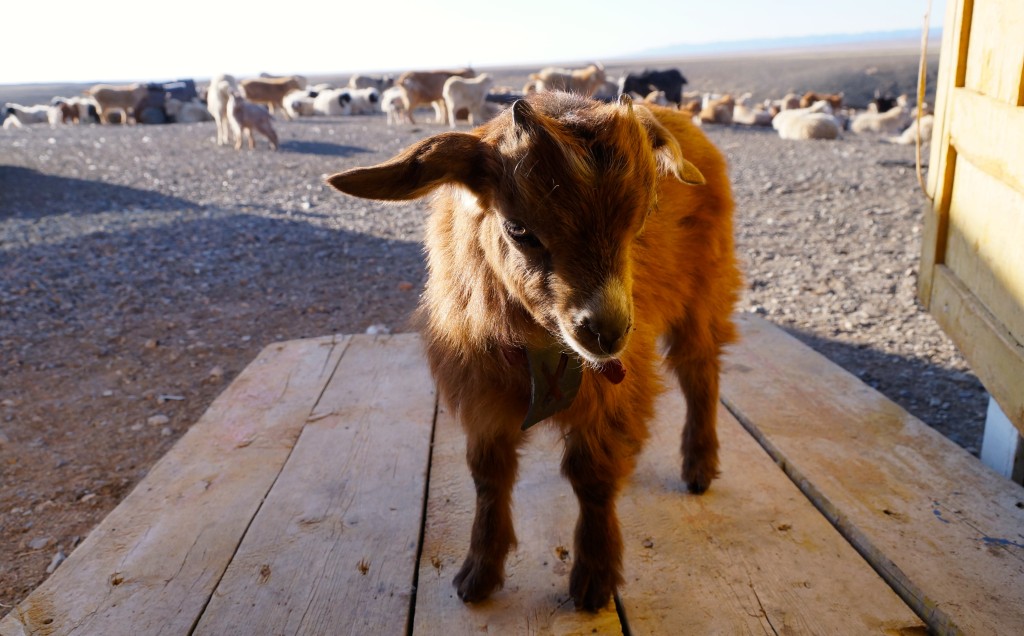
(560, 187)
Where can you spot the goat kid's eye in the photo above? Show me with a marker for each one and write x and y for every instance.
(522, 236)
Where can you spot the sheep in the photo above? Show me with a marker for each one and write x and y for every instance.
(117, 98)
(470, 94)
(608, 91)
(333, 102)
(566, 237)
(83, 110)
(790, 101)
(392, 102)
(222, 86)
(424, 88)
(909, 136)
(363, 101)
(890, 122)
(246, 117)
(20, 116)
(186, 112)
(656, 97)
(743, 114)
(270, 91)
(835, 100)
(299, 103)
(381, 83)
(717, 110)
(814, 122)
(63, 111)
(583, 81)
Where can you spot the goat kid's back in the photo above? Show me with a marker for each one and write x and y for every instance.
(595, 229)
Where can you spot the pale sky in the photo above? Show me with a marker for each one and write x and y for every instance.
(119, 40)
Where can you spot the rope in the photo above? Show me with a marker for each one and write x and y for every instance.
(922, 71)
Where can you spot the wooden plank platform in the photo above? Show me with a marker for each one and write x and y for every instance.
(325, 492)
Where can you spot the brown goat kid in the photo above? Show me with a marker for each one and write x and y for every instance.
(570, 224)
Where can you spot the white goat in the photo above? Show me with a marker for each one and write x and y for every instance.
(471, 94)
(392, 102)
(221, 88)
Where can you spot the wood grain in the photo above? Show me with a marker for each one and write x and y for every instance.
(333, 550)
(945, 531)
(750, 556)
(535, 599)
(151, 565)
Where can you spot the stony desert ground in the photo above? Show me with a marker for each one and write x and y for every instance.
(142, 267)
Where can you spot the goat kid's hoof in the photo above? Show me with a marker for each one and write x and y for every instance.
(591, 590)
(698, 478)
(475, 582)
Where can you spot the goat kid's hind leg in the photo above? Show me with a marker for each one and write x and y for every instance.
(493, 461)
(596, 469)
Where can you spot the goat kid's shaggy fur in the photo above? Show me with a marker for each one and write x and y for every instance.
(598, 227)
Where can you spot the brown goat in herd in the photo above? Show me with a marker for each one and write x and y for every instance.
(592, 230)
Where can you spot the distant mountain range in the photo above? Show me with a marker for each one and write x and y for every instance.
(873, 39)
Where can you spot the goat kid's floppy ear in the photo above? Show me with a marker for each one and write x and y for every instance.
(444, 158)
(666, 149)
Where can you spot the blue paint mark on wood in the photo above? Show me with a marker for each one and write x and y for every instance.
(1006, 543)
(938, 515)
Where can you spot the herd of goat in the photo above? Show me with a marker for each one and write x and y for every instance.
(242, 107)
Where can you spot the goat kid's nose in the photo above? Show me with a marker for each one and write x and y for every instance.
(600, 334)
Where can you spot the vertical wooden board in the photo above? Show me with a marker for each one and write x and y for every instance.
(153, 562)
(952, 64)
(945, 531)
(333, 550)
(986, 243)
(750, 556)
(996, 53)
(535, 599)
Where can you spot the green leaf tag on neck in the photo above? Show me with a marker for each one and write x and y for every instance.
(555, 378)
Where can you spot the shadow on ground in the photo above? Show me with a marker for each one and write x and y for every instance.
(321, 148)
(27, 194)
(897, 377)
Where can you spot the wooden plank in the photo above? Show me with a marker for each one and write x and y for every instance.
(985, 248)
(535, 599)
(333, 550)
(750, 556)
(153, 562)
(946, 532)
(996, 53)
(996, 357)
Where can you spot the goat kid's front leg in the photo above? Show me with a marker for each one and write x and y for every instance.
(493, 461)
(596, 471)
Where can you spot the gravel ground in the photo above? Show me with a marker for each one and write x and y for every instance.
(141, 268)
